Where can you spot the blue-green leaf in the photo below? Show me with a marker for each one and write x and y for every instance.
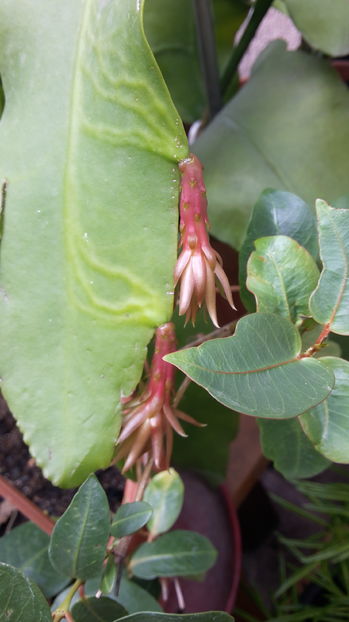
(277, 213)
(285, 443)
(327, 425)
(323, 24)
(259, 370)
(282, 275)
(329, 303)
(263, 139)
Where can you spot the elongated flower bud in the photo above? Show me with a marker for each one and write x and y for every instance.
(198, 265)
(149, 420)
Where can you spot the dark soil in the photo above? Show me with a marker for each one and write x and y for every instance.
(17, 466)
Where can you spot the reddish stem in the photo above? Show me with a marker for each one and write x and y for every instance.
(198, 265)
(25, 506)
(148, 419)
(317, 345)
(161, 372)
(130, 491)
(193, 206)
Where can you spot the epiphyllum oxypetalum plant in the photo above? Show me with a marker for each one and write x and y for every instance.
(149, 420)
(199, 264)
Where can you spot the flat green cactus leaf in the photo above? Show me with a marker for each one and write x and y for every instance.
(89, 145)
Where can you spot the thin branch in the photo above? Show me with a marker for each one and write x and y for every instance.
(224, 331)
(258, 13)
(208, 56)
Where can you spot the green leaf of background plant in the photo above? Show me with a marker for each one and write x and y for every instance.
(263, 139)
(134, 598)
(164, 494)
(343, 343)
(130, 517)
(89, 142)
(277, 213)
(327, 425)
(80, 536)
(213, 440)
(282, 275)
(228, 17)
(97, 610)
(324, 24)
(329, 303)
(26, 548)
(277, 439)
(171, 31)
(258, 371)
(208, 616)
(206, 450)
(20, 599)
(341, 202)
(178, 553)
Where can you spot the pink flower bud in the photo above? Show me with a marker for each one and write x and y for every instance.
(198, 265)
(149, 420)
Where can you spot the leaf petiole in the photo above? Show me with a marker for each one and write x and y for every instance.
(63, 610)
